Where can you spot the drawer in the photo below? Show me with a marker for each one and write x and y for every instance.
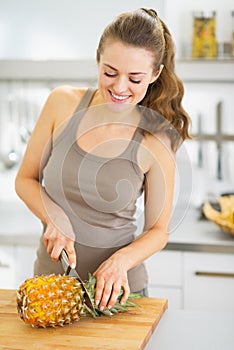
(165, 268)
(209, 281)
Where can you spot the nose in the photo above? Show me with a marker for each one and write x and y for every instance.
(121, 84)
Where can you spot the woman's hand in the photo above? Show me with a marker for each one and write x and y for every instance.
(55, 241)
(111, 277)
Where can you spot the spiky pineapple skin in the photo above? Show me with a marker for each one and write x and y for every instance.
(50, 300)
(56, 300)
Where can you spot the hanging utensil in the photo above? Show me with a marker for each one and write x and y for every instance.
(11, 158)
(200, 144)
(219, 139)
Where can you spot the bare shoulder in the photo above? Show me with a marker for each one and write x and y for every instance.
(63, 100)
(68, 91)
(156, 149)
(60, 106)
(158, 142)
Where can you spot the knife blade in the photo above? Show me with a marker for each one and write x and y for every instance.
(73, 273)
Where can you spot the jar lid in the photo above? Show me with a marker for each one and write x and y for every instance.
(204, 14)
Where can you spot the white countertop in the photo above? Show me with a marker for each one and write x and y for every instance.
(193, 330)
(18, 224)
(200, 235)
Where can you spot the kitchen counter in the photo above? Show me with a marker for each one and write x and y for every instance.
(123, 331)
(19, 225)
(173, 329)
(200, 235)
(193, 330)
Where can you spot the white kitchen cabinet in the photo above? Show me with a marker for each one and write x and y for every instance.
(165, 277)
(191, 280)
(208, 281)
(7, 267)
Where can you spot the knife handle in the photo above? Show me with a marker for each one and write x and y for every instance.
(65, 262)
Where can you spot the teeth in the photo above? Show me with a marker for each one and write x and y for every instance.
(117, 97)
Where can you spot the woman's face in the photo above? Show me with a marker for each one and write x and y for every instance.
(124, 73)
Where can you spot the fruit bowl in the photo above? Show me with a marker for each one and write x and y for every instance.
(223, 218)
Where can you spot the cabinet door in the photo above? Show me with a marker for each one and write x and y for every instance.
(7, 267)
(165, 268)
(165, 277)
(209, 281)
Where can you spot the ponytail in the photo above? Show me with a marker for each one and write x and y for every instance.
(166, 93)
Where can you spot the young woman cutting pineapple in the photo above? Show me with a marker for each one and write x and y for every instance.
(93, 153)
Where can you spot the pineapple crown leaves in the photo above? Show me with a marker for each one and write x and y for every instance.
(90, 285)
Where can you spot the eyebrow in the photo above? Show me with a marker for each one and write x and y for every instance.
(133, 73)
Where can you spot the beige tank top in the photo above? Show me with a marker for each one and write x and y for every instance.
(99, 196)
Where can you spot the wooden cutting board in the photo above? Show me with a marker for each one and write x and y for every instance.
(126, 331)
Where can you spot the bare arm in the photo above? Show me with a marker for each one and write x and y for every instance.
(159, 190)
(59, 233)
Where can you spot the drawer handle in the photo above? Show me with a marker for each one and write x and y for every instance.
(214, 274)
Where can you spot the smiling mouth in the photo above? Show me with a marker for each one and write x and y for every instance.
(119, 97)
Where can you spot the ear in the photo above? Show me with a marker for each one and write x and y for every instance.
(157, 74)
(97, 57)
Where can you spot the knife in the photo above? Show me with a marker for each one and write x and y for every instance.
(73, 273)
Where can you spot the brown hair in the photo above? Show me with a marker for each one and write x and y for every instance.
(143, 28)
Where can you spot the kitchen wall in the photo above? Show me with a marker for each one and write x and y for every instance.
(70, 29)
(63, 29)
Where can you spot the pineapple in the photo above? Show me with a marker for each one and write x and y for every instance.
(56, 300)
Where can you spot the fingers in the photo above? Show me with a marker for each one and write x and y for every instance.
(71, 254)
(125, 295)
(113, 295)
(99, 290)
(107, 293)
(55, 242)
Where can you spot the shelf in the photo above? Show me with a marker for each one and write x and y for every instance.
(189, 70)
(82, 70)
(205, 70)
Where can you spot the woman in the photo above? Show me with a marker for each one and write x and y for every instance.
(93, 153)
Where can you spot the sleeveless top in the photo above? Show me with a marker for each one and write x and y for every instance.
(98, 194)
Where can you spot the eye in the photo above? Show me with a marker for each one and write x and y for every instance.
(135, 81)
(110, 75)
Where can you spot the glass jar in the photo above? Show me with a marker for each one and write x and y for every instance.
(204, 34)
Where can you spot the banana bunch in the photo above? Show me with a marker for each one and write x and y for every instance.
(224, 218)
